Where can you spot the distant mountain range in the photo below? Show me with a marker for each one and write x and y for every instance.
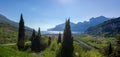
(81, 26)
(107, 28)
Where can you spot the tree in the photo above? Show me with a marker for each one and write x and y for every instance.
(59, 38)
(67, 44)
(39, 34)
(116, 52)
(108, 50)
(49, 41)
(38, 37)
(21, 34)
(35, 42)
(32, 40)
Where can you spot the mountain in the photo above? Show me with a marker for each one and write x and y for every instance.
(107, 28)
(9, 30)
(60, 27)
(5, 20)
(81, 26)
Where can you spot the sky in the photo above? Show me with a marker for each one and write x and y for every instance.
(49, 13)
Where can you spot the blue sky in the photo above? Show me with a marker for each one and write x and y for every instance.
(48, 13)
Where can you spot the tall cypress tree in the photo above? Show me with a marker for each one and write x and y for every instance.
(32, 40)
(116, 52)
(21, 34)
(59, 38)
(39, 34)
(108, 50)
(49, 41)
(35, 40)
(67, 44)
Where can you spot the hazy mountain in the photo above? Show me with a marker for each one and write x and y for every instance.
(60, 27)
(107, 28)
(81, 26)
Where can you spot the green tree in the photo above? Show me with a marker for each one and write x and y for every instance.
(108, 50)
(39, 34)
(32, 40)
(116, 52)
(59, 38)
(67, 44)
(21, 34)
(49, 41)
(35, 42)
(38, 37)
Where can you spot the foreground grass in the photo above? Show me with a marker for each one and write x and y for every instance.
(10, 52)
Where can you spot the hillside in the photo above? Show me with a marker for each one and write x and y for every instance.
(7, 51)
(81, 26)
(107, 28)
(9, 30)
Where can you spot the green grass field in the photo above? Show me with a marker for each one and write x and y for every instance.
(97, 42)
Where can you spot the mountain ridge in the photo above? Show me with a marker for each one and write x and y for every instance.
(81, 26)
(107, 28)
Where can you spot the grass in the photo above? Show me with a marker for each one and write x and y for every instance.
(10, 52)
(80, 52)
(52, 50)
(97, 42)
(92, 53)
(9, 34)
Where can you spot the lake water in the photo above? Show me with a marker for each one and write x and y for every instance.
(56, 32)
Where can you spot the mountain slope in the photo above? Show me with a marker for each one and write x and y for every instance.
(107, 28)
(9, 30)
(81, 26)
(7, 51)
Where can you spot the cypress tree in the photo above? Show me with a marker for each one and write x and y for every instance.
(32, 40)
(67, 44)
(35, 40)
(108, 50)
(21, 34)
(116, 52)
(49, 41)
(59, 38)
(38, 37)
(39, 34)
